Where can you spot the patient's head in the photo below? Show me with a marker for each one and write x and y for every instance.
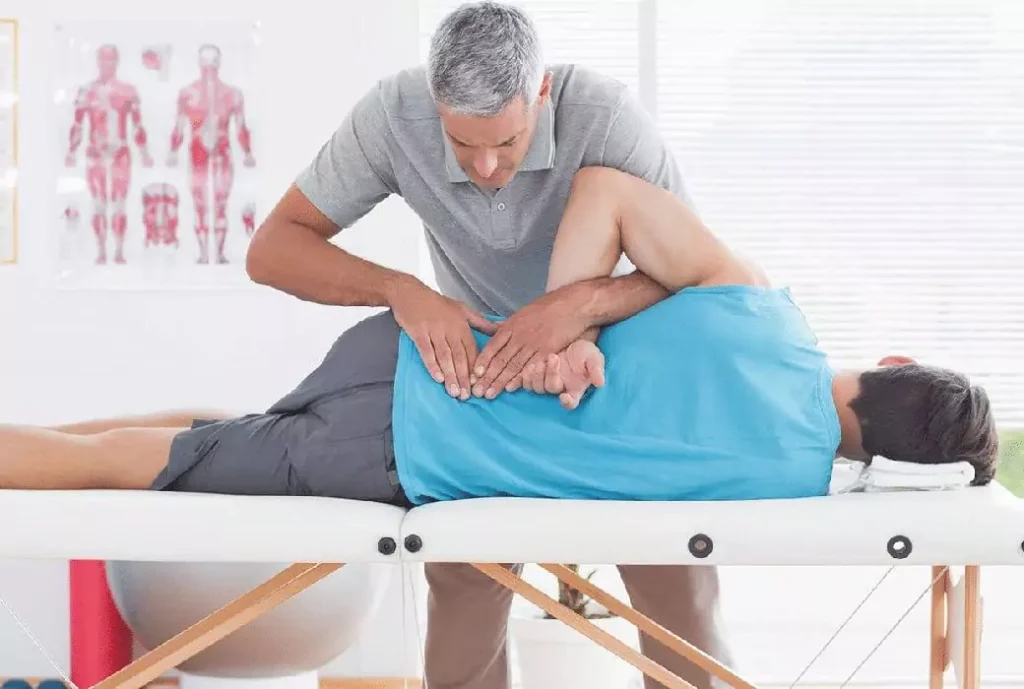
(909, 412)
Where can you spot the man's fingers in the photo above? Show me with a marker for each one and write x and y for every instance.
(469, 345)
(514, 368)
(462, 364)
(534, 373)
(525, 379)
(553, 377)
(495, 369)
(478, 322)
(522, 380)
(541, 375)
(426, 350)
(595, 370)
(514, 384)
(495, 345)
(568, 401)
(447, 363)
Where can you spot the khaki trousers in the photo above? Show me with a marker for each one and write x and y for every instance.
(467, 624)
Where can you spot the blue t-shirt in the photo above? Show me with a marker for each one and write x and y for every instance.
(715, 393)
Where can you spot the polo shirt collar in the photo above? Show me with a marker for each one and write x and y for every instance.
(540, 156)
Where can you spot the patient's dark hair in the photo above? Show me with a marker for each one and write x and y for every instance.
(928, 415)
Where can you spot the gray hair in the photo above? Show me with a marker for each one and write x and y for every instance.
(483, 56)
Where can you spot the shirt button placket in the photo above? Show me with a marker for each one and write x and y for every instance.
(502, 225)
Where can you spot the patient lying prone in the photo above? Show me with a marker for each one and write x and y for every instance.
(718, 392)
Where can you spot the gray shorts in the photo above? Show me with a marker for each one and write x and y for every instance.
(330, 437)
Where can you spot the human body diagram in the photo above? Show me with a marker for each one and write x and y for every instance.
(108, 123)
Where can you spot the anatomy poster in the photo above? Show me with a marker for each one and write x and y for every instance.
(8, 141)
(158, 140)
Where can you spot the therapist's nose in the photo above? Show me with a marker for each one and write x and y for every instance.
(486, 163)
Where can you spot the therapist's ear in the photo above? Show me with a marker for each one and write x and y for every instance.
(545, 88)
(895, 360)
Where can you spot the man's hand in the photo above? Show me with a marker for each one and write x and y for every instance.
(545, 326)
(440, 328)
(568, 374)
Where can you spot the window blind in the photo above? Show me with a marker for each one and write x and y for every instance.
(868, 153)
(599, 34)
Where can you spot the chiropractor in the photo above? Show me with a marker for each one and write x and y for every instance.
(483, 144)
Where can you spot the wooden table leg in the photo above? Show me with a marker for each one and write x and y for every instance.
(587, 628)
(214, 627)
(939, 655)
(972, 627)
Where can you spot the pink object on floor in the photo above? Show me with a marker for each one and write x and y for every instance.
(101, 642)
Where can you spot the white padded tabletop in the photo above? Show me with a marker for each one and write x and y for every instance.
(968, 526)
(190, 527)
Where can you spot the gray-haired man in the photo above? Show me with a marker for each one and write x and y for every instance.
(483, 144)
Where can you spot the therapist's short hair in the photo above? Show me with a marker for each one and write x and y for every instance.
(483, 56)
(927, 415)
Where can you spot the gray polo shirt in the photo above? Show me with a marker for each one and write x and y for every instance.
(489, 249)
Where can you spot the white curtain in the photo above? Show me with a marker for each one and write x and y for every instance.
(868, 153)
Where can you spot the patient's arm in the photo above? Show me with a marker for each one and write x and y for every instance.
(610, 212)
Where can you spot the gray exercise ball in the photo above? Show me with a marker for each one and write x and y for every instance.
(160, 599)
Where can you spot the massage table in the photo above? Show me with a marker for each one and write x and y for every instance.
(964, 528)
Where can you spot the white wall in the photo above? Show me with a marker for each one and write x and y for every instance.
(67, 355)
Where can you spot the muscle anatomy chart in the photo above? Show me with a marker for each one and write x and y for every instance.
(206, 110)
(160, 214)
(108, 108)
(8, 141)
(158, 130)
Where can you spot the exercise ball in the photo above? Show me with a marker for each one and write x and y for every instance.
(158, 600)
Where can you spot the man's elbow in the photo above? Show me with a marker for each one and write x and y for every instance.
(289, 232)
(258, 257)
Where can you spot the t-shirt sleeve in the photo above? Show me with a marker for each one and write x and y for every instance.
(352, 172)
(634, 144)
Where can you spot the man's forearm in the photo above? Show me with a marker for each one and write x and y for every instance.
(302, 263)
(609, 300)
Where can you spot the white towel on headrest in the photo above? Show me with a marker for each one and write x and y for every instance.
(847, 477)
(889, 466)
(887, 475)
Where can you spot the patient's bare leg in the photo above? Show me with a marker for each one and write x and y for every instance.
(610, 212)
(164, 419)
(44, 459)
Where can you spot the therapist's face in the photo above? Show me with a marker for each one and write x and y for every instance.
(491, 149)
